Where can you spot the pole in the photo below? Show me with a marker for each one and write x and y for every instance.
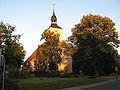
(3, 85)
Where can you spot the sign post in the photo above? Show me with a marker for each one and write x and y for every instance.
(1, 62)
(2, 68)
(116, 71)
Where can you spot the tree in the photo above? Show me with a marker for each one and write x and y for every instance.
(14, 51)
(118, 63)
(51, 50)
(67, 48)
(95, 38)
(41, 60)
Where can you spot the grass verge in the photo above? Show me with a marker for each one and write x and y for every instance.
(54, 83)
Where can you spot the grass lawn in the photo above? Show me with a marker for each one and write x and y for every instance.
(53, 83)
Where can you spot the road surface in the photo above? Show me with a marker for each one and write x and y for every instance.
(110, 86)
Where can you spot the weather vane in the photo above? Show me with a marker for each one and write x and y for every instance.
(54, 5)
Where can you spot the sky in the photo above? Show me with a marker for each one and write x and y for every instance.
(32, 17)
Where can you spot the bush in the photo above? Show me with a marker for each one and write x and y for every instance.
(66, 75)
(53, 74)
(15, 73)
(40, 73)
(9, 84)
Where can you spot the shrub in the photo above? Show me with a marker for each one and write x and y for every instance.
(53, 74)
(40, 73)
(15, 73)
(66, 75)
(9, 84)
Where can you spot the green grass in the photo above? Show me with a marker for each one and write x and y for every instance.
(53, 83)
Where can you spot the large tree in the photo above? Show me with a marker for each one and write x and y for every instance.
(95, 38)
(49, 53)
(13, 50)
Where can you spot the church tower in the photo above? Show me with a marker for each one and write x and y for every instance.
(66, 62)
(54, 27)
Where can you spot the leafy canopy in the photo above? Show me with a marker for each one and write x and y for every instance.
(14, 51)
(95, 28)
(49, 53)
(95, 39)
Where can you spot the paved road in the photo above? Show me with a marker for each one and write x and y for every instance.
(110, 86)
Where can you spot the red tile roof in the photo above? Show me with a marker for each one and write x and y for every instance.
(33, 54)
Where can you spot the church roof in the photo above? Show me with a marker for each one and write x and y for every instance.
(33, 54)
(55, 26)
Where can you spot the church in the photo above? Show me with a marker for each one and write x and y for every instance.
(66, 63)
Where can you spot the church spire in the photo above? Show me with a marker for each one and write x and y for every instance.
(53, 18)
(53, 12)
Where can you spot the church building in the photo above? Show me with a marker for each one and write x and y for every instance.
(66, 63)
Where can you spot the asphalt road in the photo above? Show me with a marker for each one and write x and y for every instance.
(110, 86)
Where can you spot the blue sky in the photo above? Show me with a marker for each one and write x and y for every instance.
(32, 17)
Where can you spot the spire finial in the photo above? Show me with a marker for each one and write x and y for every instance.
(54, 18)
(53, 9)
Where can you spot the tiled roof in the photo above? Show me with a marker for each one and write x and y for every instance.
(33, 54)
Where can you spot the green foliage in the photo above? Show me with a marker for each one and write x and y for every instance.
(51, 46)
(118, 60)
(14, 51)
(41, 73)
(9, 84)
(118, 63)
(53, 74)
(95, 39)
(70, 75)
(67, 48)
(94, 28)
(93, 61)
(49, 53)
(15, 73)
